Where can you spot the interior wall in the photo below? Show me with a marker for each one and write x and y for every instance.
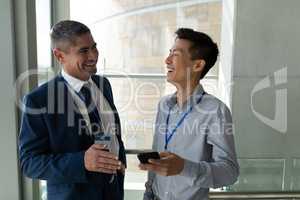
(9, 184)
(266, 97)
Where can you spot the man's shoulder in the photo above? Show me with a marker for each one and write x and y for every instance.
(166, 99)
(209, 98)
(42, 91)
(100, 80)
(211, 102)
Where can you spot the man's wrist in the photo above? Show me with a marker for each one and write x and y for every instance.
(189, 168)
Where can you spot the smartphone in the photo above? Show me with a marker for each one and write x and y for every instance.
(144, 157)
(104, 139)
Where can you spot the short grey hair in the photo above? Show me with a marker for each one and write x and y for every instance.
(67, 31)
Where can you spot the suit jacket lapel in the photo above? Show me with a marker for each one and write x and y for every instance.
(104, 88)
(71, 112)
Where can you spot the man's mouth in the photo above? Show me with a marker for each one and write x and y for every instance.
(170, 70)
(91, 65)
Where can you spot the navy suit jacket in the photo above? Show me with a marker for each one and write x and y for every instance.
(51, 147)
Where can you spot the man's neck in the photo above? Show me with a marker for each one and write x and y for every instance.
(184, 91)
(80, 77)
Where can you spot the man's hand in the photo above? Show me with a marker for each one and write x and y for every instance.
(97, 159)
(170, 164)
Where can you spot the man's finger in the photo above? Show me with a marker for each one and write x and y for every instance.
(122, 170)
(107, 166)
(99, 146)
(142, 167)
(109, 161)
(145, 166)
(159, 162)
(106, 154)
(154, 168)
(164, 154)
(107, 171)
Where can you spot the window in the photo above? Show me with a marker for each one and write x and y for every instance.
(43, 54)
(133, 39)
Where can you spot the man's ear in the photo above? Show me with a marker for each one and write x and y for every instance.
(199, 65)
(59, 55)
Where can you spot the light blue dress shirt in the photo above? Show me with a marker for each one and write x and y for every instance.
(204, 140)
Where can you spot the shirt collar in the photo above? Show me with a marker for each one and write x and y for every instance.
(75, 83)
(192, 100)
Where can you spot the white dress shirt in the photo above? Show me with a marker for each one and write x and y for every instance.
(105, 111)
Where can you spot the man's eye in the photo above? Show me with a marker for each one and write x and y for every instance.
(173, 52)
(83, 51)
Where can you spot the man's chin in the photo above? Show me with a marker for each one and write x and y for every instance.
(93, 71)
(171, 81)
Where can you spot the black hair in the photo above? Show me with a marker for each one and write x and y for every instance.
(202, 47)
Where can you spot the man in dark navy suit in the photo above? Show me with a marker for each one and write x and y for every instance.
(63, 120)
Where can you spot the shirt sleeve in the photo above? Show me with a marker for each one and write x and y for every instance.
(36, 159)
(223, 168)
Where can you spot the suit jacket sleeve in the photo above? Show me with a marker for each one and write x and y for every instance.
(36, 159)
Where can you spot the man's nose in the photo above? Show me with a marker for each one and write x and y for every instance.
(168, 59)
(93, 55)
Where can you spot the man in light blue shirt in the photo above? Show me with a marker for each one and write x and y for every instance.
(194, 130)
